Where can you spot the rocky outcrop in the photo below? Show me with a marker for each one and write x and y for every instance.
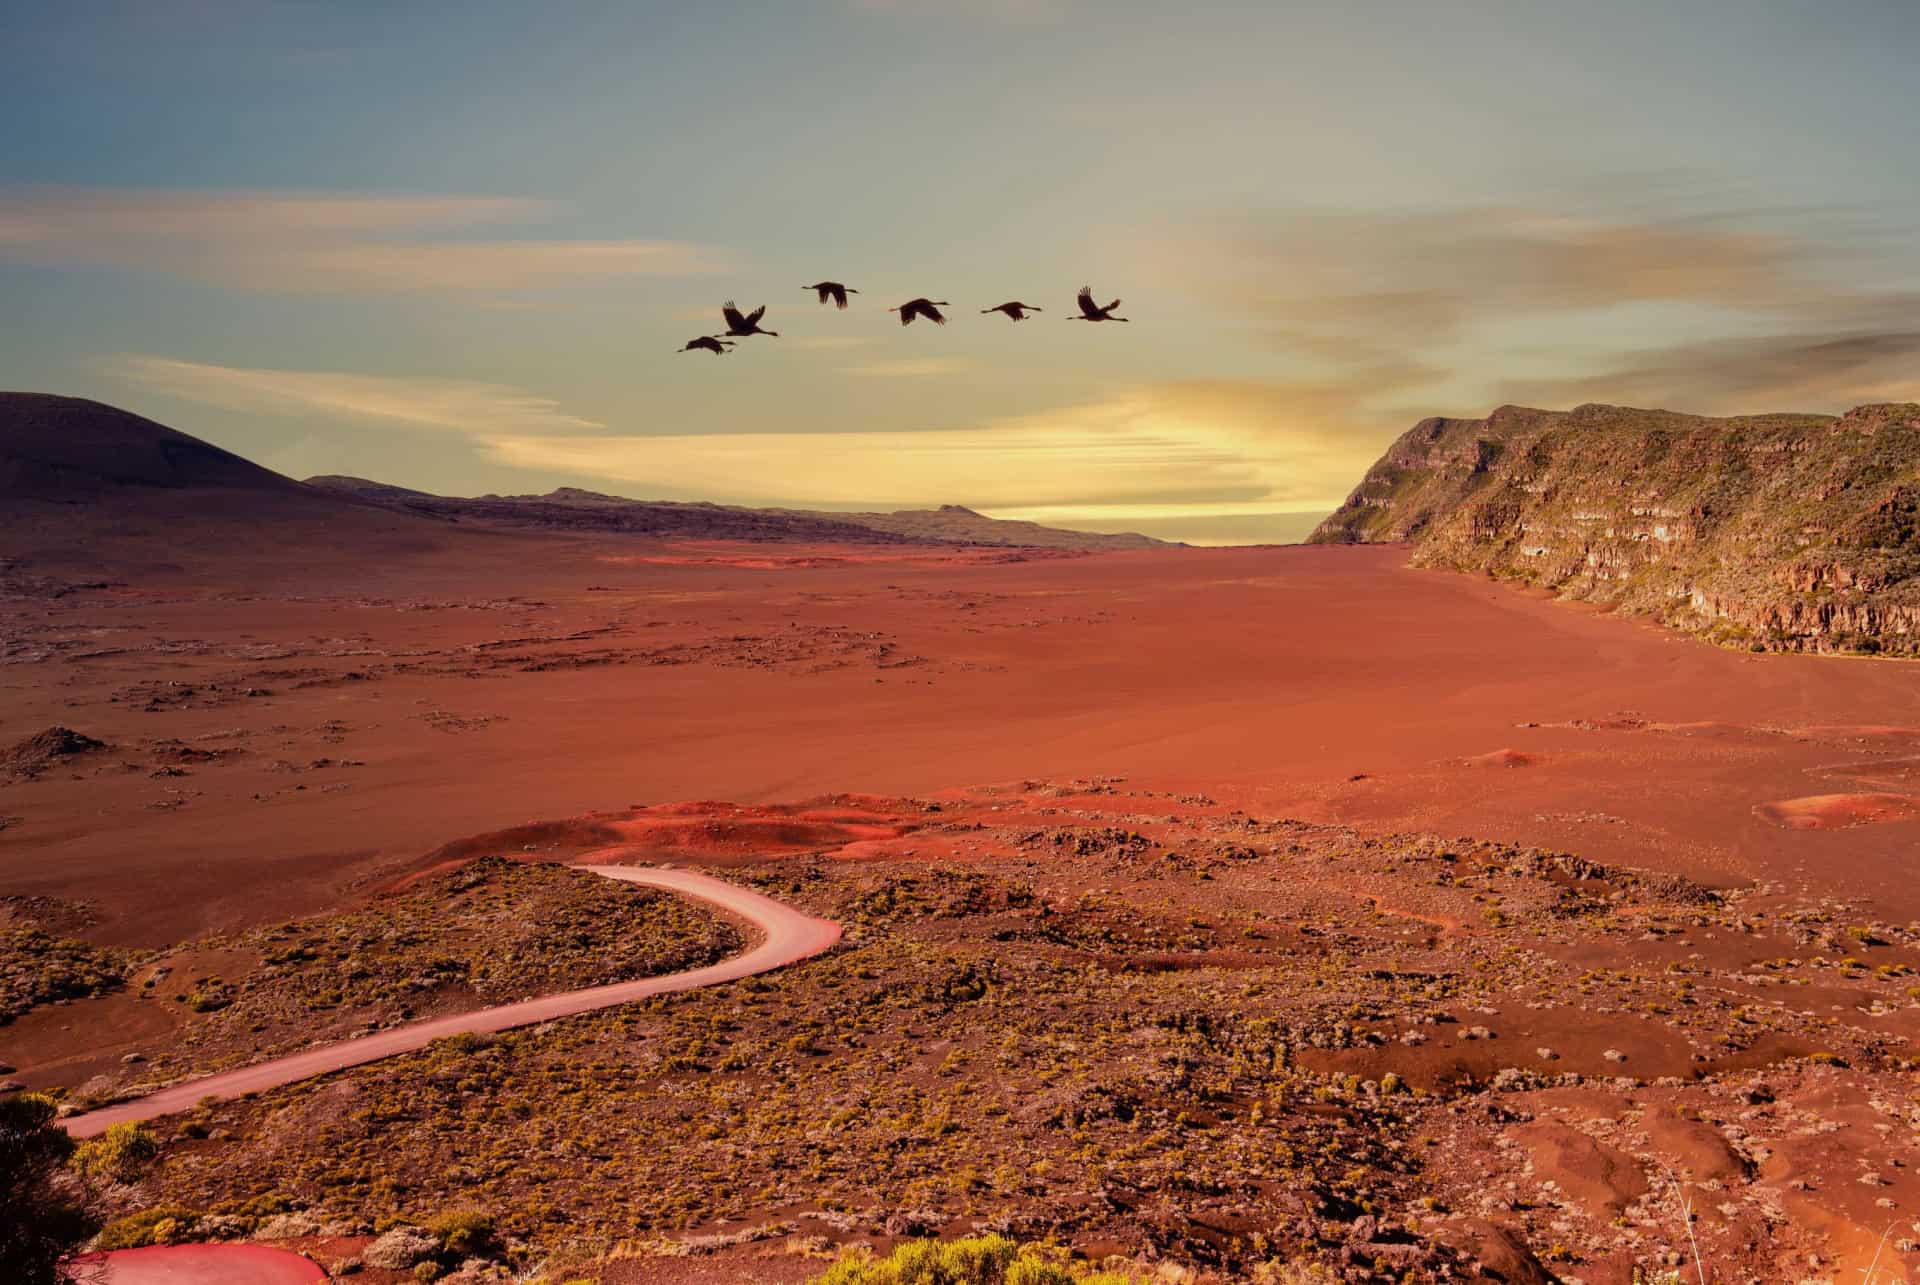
(1777, 532)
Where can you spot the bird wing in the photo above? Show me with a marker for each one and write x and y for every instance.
(907, 311)
(839, 294)
(1110, 307)
(933, 314)
(732, 314)
(1086, 301)
(753, 318)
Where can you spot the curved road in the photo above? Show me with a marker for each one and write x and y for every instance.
(789, 937)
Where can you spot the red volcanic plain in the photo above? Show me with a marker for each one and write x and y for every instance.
(235, 735)
(277, 738)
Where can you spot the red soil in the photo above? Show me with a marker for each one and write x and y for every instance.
(488, 680)
(1839, 811)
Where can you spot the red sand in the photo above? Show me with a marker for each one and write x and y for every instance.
(501, 679)
(1503, 758)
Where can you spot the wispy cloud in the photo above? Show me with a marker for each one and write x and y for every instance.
(828, 343)
(1163, 450)
(455, 405)
(1775, 372)
(323, 241)
(1712, 314)
(1005, 11)
(907, 368)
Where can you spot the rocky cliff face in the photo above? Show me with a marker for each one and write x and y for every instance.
(1779, 532)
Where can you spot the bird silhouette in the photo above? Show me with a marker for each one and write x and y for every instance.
(1090, 311)
(928, 308)
(832, 290)
(709, 343)
(747, 325)
(1015, 310)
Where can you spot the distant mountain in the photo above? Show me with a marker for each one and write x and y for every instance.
(570, 507)
(957, 523)
(155, 491)
(1776, 532)
(571, 510)
(88, 490)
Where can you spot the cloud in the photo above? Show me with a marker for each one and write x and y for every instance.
(1703, 313)
(1004, 11)
(461, 406)
(907, 368)
(1731, 376)
(322, 242)
(827, 343)
(1241, 449)
(1242, 458)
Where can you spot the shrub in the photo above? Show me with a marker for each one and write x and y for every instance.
(465, 1233)
(973, 1260)
(42, 1213)
(122, 1154)
(161, 1226)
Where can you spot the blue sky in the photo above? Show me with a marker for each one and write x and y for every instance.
(455, 246)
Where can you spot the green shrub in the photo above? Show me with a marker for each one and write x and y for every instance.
(122, 1154)
(165, 1225)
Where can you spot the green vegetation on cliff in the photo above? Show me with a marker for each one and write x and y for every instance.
(1779, 532)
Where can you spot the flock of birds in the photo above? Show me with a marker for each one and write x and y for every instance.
(741, 324)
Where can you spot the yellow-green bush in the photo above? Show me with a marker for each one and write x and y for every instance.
(121, 1154)
(973, 1260)
(162, 1226)
(465, 1233)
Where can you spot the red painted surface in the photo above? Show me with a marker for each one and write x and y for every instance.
(200, 1265)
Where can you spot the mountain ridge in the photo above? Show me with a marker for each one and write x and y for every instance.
(68, 451)
(1785, 532)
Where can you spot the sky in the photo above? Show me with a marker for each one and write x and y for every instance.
(456, 246)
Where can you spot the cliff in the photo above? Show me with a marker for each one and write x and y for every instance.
(1778, 532)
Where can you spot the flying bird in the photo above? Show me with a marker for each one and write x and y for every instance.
(928, 308)
(1015, 310)
(1090, 311)
(745, 325)
(709, 343)
(832, 290)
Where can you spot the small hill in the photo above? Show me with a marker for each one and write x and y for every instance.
(90, 491)
(68, 448)
(958, 524)
(573, 508)
(1777, 532)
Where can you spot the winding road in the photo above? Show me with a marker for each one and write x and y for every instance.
(788, 937)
